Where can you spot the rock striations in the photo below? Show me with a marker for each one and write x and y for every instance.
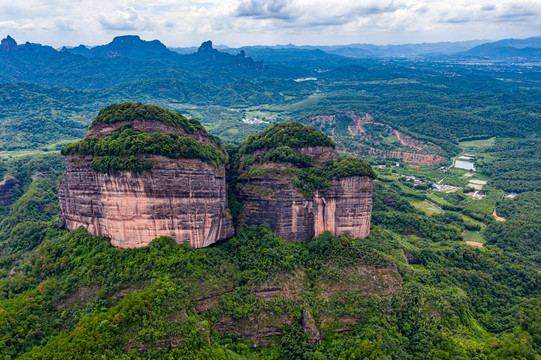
(143, 172)
(301, 187)
(176, 191)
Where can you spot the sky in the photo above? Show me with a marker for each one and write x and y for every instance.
(268, 22)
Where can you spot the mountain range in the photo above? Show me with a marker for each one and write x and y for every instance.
(529, 48)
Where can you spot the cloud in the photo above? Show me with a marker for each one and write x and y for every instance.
(64, 24)
(13, 25)
(127, 19)
(264, 9)
(315, 11)
(518, 11)
(244, 22)
(488, 7)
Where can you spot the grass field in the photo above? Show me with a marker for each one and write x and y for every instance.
(427, 207)
(437, 200)
(474, 236)
(16, 153)
(477, 144)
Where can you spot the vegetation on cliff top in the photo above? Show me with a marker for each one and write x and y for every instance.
(126, 142)
(307, 173)
(292, 134)
(309, 180)
(128, 111)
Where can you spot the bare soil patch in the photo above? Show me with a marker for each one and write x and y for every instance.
(474, 243)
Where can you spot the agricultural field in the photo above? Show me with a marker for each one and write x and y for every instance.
(477, 144)
(473, 236)
(427, 207)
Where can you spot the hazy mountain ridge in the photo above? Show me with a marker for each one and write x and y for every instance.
(125, 58)
(371, 50)
(529, 48)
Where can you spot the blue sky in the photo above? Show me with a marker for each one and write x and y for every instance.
(268, 22)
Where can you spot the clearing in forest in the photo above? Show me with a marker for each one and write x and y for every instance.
(498, 218)
(428, 207)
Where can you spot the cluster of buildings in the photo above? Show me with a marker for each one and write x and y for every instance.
(252, 121)
(445, 188)
(412, 179)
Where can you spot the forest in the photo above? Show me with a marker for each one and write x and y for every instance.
(412, 289)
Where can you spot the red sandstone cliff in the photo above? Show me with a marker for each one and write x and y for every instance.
(344, 207)
(183, 199)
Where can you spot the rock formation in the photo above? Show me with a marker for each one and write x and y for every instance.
(345, 207)
(269, 190)
(6, 190)
(143, 172)
(8, 44)
(178, 197)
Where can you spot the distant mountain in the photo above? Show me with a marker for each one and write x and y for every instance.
(8, 44)
(405, 50)
(126, 58)
(78, 50)
(357, 50)
(508, 48)
(210, 58)
(353, 52)
(295, 56)
(125, 46)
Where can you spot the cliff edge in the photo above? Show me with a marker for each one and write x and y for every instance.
(143, 172)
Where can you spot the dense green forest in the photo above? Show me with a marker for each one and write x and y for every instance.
(293, 135)
(276, 153)
(129, 112)
(514, 164)
(412, 289)
(125, 142)
(439, 104)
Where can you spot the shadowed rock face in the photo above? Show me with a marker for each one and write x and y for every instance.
(183, 199)
(289, 213)
(345, 207)
(6, 187)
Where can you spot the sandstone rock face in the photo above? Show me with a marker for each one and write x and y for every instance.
(281, 205)
(183, 199)
(345, 207)
(6, 187)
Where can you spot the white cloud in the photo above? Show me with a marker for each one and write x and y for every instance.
(125, 19)
(244, 22)
(65, 24)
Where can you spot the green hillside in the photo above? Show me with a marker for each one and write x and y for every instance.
(412, 289)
